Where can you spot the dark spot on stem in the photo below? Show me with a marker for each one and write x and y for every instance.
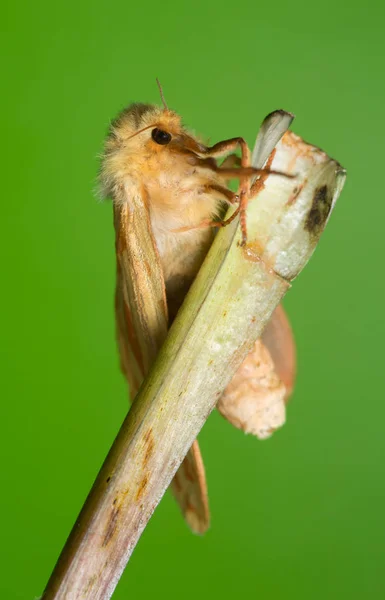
(111, 525)
(91, 582)
(319, 212)
(149, 443)
(142, 487)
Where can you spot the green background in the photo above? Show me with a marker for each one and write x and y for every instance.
(302, 514)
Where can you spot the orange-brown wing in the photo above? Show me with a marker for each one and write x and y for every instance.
(141, 323)
(140, 294)
(131, 362)
(190, 490)
(279, 340)
(254, 400)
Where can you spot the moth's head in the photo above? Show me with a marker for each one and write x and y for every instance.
(144, 141)
(150, 130)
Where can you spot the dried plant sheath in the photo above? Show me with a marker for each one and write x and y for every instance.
(223, 315)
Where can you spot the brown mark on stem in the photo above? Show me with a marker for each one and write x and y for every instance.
(142, 486)
(149, 443)
(111, 525)
(319, 212)
(296, 192)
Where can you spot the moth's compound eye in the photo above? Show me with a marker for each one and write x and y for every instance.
(161, 137)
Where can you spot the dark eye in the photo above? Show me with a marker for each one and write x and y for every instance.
(161, 137)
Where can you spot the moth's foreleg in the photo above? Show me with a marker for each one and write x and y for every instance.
(244, 177)
(226, 146)
(231, 161)
(244, 192)
(223, 193)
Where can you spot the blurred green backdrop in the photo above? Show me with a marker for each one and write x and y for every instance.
(301, 515)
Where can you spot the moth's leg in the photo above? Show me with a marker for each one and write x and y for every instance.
(255, 251)
(229, 220)
(230, 197)
(227, 168)
(244, 192)
(259, 183)
(222, 192)
(231, 161)
(244, 178)
(225, 147)
(244, 174)
(208, 223)
(241, 197)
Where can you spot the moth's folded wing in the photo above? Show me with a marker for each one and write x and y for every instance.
(189, 484)
(141, 323)
(140, 296)
(190, 490)
(130, 356)
(254, 400)
(279, 340)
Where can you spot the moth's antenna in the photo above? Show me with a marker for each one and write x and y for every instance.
(161, 94)
(140, 131)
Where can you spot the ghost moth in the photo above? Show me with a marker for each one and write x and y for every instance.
(168, 193)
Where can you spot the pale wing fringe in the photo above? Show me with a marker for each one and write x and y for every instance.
(225, 312)
(278, 338)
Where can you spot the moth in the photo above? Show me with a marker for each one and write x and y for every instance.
(170, 193)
